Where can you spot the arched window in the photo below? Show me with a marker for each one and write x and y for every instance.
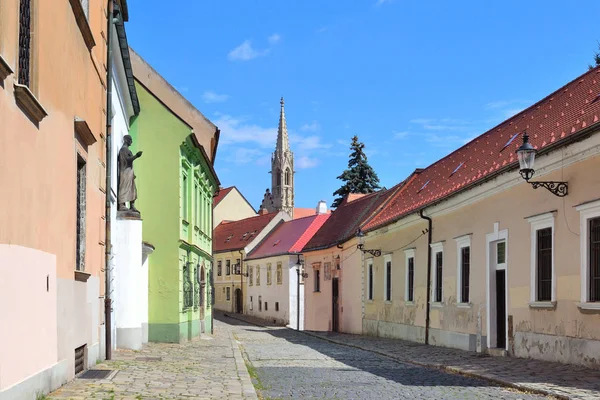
(287, 177)
(278, 177)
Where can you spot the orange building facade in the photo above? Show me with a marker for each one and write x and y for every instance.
(53, 63)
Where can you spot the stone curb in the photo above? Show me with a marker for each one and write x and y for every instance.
(454, 370)
(247, 387)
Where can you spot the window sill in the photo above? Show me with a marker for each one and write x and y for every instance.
(542, 304)
(589, 306)
(83, 24)
(29, 103)
(409, 303)
(5, 69)
(387, 302)
(463, 305)
(436, 304)
(81, 276)
(370, 301)
(316, 291)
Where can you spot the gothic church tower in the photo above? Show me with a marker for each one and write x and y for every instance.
(282, 172)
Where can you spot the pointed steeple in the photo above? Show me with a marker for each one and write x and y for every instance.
(282, 134)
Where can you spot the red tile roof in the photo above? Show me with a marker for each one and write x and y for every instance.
(222, 193)
(557, 117)
(345, 220)
(235, 235)
(289, 237)
(306, 212)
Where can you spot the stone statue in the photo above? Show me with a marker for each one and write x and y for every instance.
(127, 191)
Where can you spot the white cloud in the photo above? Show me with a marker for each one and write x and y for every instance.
(308, 142)
(305, 162)
(212, 97)
(442, 124)
(274, 38)
(245, 52)
(236, 130)
(448, 140)
(401, 135)
(312, 127)
(382, 2)
(244, 155)
(504, 103)
(512, 111)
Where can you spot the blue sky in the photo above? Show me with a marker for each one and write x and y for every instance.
(414, 80)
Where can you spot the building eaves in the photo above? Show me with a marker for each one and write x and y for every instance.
(124, 48)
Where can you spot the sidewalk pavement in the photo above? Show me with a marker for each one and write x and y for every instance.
(211, 367)
(563, 381)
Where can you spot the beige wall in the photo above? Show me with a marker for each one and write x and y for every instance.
(38, 164)
(563, 332)
(230, 281)
(270, 294)
(232, 207)
(318, 305)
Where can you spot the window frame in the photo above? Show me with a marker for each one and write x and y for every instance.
(370, 280)
(436, 248)
(537, 223)
(587, 211)
(408, 254)
(227, 267)
(461, 243)
(387, 280)
(269, 274)
(317, 280)
(258, 275)
(219, 267)
(227, 293)
(250, 275)
(279, 273)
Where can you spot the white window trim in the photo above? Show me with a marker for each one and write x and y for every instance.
(409, 253)
(436, 248)
(538, 222)
(370, 280)
(461, 242)
(387, 258)
(586, 211)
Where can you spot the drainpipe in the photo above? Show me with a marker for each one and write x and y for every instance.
(241, 280)
(427, 306)
(108, 242)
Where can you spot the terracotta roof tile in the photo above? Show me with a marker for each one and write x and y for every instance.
(289, 237)
(236, 235)
(558, 116)
(305, 212)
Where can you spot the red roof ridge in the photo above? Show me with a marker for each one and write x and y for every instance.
(310, 232)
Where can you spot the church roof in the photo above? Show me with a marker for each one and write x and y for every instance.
(289, 237)
(235, 235)
(283, 144)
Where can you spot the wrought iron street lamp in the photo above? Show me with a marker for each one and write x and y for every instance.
(526, 155)
(361, 245)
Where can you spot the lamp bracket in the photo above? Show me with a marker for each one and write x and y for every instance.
(373, 252)
(560, 189)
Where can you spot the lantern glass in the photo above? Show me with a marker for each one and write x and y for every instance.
(526, 158)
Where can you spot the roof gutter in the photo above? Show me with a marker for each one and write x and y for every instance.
(124, 46)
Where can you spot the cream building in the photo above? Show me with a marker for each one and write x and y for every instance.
(231, 205)
(474, 258)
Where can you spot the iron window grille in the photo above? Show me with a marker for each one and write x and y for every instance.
(544, 264)
(594, 257)
(411, 279)
(465, 273)
(25, 43)
(438, 277)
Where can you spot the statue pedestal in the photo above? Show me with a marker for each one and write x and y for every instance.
(131, 302)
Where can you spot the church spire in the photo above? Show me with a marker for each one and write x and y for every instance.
(282, 134)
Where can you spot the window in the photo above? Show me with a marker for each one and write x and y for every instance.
(81, 205)
(219, 268)
(370, 280)
(276, 306)
(501, 252)
(184, 197)
(258, 275)
(266, 306)
(278, 177)
(228, 293)
(25, 42)
(409, 295)
(250, 276)
(287, 177)
(317, 280)
(227, 267)
(238, 267)
(463, 262)
(387, 277)
(542, 259)
(279, 274)
(259, 301)
(437, 250)
(589, 225)
(196, 204)
(268, 276)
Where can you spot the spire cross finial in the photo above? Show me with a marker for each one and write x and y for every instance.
(282, 102)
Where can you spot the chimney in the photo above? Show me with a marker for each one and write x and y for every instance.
(263, 211)
(322, 207)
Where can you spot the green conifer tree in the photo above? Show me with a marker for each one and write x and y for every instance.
(596, 58)
(359, 177)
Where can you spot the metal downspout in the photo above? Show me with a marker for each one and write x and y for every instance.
(108, 194)
(241, 280)
(427, 306)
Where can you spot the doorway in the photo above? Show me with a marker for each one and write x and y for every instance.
(501, 309)
(497, 291)
(238, 300)
(335, 322)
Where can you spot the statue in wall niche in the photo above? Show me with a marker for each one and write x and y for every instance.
(127, 192)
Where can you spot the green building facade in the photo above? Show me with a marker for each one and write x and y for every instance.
(175, 185)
